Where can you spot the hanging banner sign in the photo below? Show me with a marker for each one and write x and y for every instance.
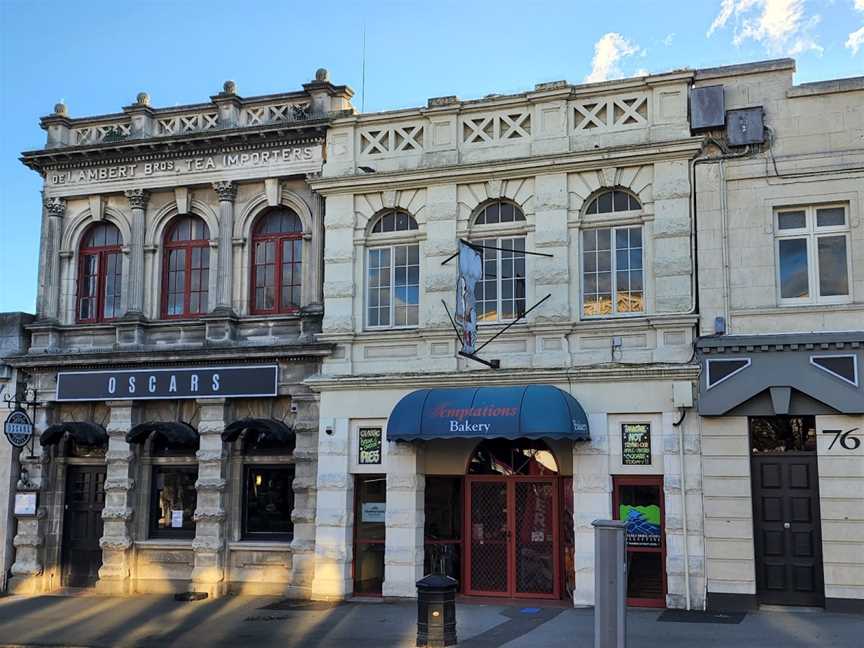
(470, 272)
(18, 428)
(370, 446)
(148, 384)
(636, 444)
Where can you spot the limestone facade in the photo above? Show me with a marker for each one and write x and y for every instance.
(226, 166)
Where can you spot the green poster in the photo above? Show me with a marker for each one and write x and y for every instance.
(643, 524)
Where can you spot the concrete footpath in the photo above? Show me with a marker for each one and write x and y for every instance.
(96, 622)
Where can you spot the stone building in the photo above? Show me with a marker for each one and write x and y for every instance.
(178, 304)
(781, 301)
(430, 459)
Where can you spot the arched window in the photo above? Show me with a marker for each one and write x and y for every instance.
(517, 457)
(392, 273)
(611, 201)
(500, 294)
(186, 273)
(612, 272)
(277, 244)
(100, 268)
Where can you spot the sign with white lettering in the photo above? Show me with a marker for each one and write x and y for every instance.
(173, 383)
(374, 512)
(370, 446)
(200, 164)
(636, 444)
(18, 428)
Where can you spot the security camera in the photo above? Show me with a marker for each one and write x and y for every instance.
(329, 430)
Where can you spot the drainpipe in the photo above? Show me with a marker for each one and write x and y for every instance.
(684, 512)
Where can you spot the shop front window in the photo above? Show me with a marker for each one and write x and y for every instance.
(369, 533)
(443, 527)
(268, 503)
(173, 501)
(782, 434)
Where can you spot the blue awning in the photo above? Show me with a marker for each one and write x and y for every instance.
(526, 411)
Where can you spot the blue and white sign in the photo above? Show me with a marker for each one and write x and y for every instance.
(18, 428)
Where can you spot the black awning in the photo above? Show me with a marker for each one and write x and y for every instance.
(525, 411)
(174, 433)
(84, 432)
(269, 430)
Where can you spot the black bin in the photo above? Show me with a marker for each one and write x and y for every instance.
(436, 611)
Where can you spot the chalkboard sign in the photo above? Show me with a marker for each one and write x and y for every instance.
(636, 444)
(370, 446)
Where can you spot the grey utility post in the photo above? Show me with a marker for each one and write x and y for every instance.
(610, 584)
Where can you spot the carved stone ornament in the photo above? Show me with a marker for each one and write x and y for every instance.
(115, 543)
(137, 198)
(226, 190)
(206, 544)
(209, 515)
(55, 206)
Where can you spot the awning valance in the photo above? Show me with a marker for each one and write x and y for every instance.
(84, 432)
(174, 433)
(267, 429)
(525, 411)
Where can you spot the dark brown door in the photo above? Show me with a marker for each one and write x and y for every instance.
(787, 530)
(82, 525)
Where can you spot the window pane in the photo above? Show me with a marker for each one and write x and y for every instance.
(791, 220)
(604, 203)
(269, 500)
(794, 280)
(830, 216)
(833, 279)
(620, 201)
(173, 500)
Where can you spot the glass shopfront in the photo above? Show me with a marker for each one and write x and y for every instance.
(369, 533)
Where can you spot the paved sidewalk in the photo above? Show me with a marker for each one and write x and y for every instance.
(158, 621)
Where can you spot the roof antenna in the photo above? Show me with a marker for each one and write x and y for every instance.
(363, 73)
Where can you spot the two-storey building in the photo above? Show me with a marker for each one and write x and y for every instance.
(781, 301)
(179, 297)
(578, 196)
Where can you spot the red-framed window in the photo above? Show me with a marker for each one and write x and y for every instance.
(186, 271)
(638, 500)
(277, 260)
(100, 270)
(370, 504)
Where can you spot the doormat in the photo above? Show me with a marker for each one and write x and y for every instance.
(299, 604)
(698, 616)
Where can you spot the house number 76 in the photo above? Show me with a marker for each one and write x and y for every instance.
(846, 439)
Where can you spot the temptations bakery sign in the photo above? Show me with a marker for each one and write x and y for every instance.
(168, 383)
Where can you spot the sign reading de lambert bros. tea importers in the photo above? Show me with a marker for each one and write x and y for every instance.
(169, 383)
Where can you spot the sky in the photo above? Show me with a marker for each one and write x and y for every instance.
(96, 55)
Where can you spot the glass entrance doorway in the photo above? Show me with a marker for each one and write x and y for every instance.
(511, 504)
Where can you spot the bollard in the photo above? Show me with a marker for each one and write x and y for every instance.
(436, 611)
(610, 584)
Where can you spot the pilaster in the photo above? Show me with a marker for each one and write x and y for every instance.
(116, 541)
(403, 547)
(208, 572)
(55, 210)
(138, 205)
(305, 500)
(227, 192)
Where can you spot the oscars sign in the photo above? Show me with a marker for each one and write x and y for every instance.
(18, 428)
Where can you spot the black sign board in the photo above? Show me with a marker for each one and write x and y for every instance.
(636, 444)
(18, 428)
(173, 383)
(370, 446)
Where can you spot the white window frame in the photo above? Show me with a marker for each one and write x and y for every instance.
(405, 242)
(613, 270)
(811, 233)
(478, 237)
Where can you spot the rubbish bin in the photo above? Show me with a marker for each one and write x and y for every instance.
(436, 611)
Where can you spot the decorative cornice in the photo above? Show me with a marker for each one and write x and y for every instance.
(137, 198)
(780, 342)
(226, 190)
(55, 206)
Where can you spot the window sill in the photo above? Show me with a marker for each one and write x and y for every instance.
(799, 308)
(165, 543)
(259, 545)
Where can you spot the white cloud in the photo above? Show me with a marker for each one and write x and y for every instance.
(669, 37)
(608, 51)
(856, 38)
(781, 26)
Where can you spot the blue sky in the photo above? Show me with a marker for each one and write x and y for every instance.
(96, 56)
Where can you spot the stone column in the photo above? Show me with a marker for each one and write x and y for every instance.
(403, 548)
(227, 192)
(305, 478)
(135, 284)
(208, 573)
(28, 569)
(116, 541)
(334, 545)
(52, 232)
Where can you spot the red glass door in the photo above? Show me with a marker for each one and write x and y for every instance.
(512, 546)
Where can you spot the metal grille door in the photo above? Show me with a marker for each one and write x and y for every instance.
(535, 546)
(489, 532)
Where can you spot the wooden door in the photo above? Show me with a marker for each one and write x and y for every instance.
(82, 525)
(786, 529)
